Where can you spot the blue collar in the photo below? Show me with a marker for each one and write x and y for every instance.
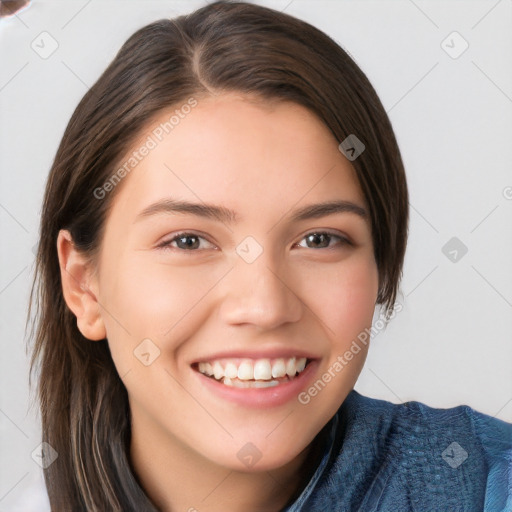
(327, 446)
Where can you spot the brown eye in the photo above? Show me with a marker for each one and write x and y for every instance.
(322, 240)
(183, 241)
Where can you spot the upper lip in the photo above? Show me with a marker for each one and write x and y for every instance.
(274, 353)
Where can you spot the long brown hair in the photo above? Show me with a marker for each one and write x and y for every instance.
(225, 46)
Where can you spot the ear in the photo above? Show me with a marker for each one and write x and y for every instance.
(80, 288)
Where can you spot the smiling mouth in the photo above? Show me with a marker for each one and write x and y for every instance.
(250, 373)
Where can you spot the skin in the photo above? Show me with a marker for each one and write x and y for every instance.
(263, 161)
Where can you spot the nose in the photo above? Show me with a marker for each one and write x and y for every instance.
(259, 294)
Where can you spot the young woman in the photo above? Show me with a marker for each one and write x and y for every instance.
(226, 209)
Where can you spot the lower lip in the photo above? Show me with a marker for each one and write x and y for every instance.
(262, 397)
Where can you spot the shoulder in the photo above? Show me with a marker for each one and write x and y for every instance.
(418, 417)
(411, 456)
(424, 423)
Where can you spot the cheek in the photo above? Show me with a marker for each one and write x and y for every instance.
(345, 299)
(153, 300)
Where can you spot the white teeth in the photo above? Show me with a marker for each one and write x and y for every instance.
(279, 368)
(205, 368)
(301, 364)
(250, 384)
(262, 370)
(291, 367)
(248, 372)
(231, 371)
(264, 384)
(218, 371)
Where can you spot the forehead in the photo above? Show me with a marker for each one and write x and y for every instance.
(237, 149)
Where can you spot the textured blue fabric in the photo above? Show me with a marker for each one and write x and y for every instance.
(380, 456)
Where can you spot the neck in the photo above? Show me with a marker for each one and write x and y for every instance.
(177, 478)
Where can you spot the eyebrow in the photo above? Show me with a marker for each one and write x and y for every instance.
(225, 215)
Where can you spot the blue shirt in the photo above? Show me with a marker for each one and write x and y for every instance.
(378, 456)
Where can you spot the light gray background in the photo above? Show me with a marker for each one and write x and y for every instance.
(450, 344)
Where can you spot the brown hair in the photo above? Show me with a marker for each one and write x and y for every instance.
(225, 46)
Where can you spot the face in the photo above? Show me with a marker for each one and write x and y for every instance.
(242, 288)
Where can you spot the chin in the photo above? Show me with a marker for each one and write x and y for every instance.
(260, 454)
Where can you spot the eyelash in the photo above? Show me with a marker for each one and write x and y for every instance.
(166, 245)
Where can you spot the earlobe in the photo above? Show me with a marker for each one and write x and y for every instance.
(80, 288)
